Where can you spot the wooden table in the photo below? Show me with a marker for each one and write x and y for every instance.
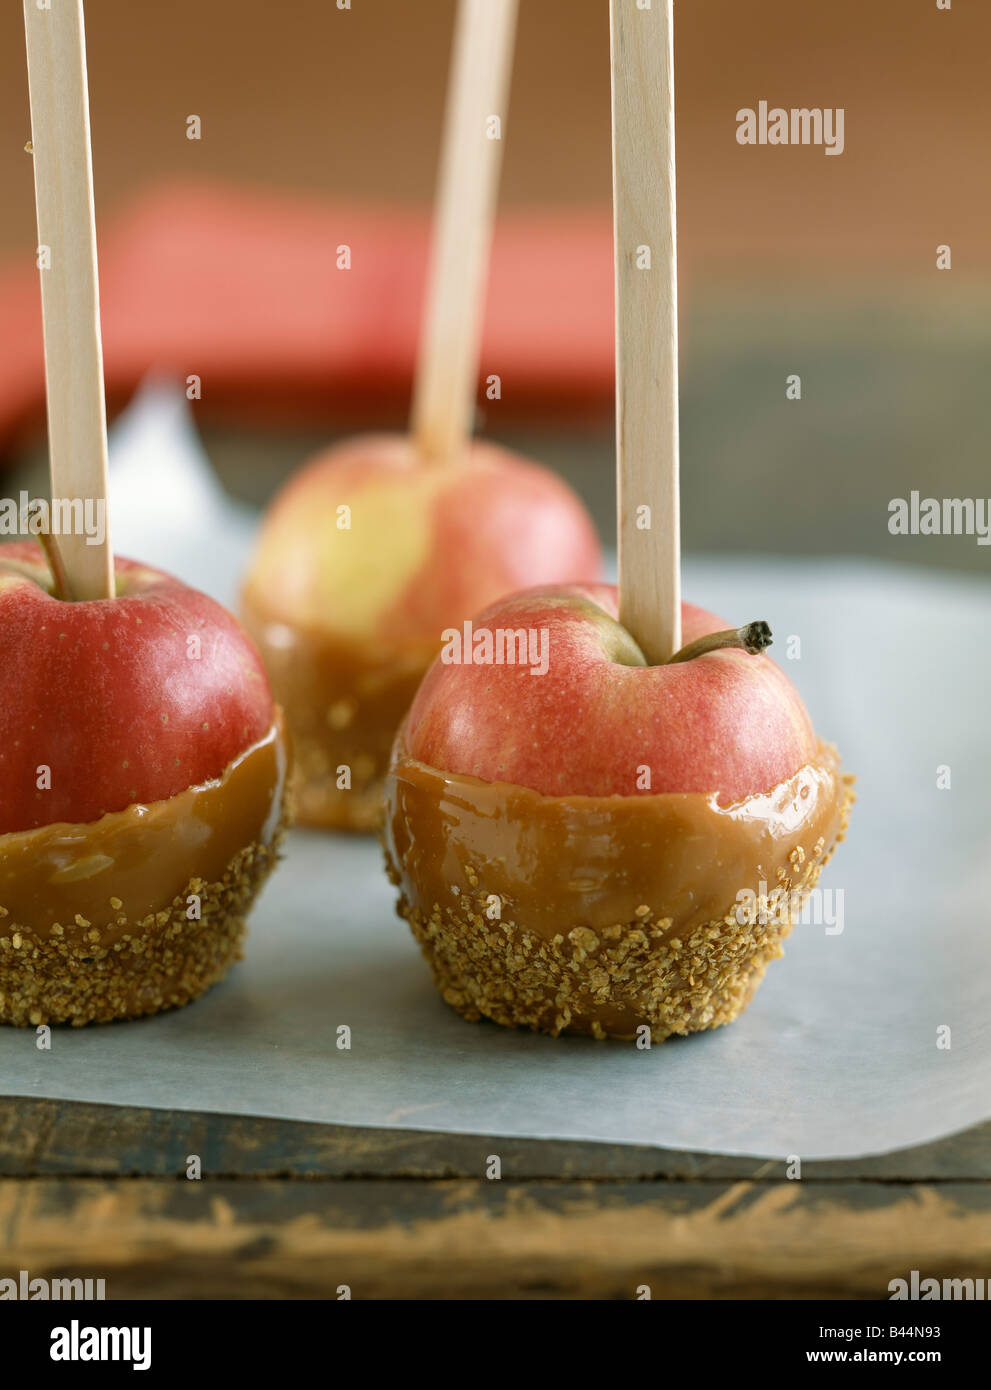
(287, 1210)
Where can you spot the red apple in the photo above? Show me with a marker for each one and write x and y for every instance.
(370, 544)
(586, 843)
(127, 700)
(364, 558)
(726, 722)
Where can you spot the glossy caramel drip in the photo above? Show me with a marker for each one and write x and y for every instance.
(557, 861)
(107, 875)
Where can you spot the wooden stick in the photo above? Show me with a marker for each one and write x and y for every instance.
(642, 56)
(478, 89)
(63, 180)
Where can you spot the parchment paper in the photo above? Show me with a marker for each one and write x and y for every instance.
(838, 1055)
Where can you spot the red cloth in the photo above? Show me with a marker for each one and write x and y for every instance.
(242, 289)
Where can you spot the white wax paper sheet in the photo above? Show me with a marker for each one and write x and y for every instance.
(860, 1041)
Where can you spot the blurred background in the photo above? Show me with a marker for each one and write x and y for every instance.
(321, 126)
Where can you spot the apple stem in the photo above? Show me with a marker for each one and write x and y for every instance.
(754, 638)
(56, 564)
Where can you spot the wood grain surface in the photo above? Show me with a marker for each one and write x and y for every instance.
(288, 1210)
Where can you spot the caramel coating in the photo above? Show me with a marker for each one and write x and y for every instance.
(143, 909)
(601, 915)
(343, 702)
(160, 962)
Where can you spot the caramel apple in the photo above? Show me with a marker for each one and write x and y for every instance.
(142, 757)
(381, 543)
(367, 555)
(606, 808)
(589, 843)
(142, 793)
